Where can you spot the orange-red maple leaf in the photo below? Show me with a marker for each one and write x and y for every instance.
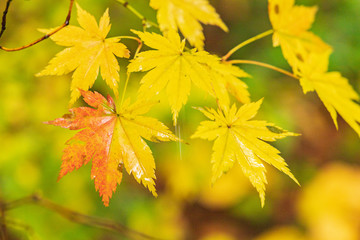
(112, 139)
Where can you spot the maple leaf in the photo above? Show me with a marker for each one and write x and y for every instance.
(88, 50)
(185, 15)
(171, 67)
(333, 89)
(291, 24)
(227, 77)
(112, 139)
(237, 138)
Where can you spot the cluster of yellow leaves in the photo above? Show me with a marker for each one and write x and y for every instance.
(173, 68)
(88, 50)
(237, 138)
(112, 139)
(308, 56)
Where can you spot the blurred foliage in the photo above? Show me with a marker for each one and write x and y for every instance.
(325, 162)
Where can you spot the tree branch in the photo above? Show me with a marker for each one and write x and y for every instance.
(146, 23)
(3, 21)
(3, 232)
(77, 217)
(67, 20)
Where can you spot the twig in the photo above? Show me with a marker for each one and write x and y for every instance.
(3, 232)
(3, 21)
(146, 23)
(67, 20)
(77, 217)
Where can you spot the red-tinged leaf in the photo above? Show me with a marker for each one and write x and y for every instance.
(111, 140)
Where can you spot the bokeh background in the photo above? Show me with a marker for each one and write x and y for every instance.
(325, 161)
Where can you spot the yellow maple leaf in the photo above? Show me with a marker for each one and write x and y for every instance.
(333, 89)
(291, 24)
(173, 68)
(88, 50)
(227, 81)
(185, 15)
(237, 138)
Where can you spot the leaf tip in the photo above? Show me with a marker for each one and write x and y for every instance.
(262, 202)
(296, 181)
(260, 101)
(40, 74)
(105, 200)
(136, 32)
(262, 198)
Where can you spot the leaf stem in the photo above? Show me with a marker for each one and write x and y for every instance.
(146, 23)
(250, 40)
(265, 65)
(136, 39)
(140, 44)
(125, 87)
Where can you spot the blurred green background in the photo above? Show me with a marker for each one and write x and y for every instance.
(325, 161)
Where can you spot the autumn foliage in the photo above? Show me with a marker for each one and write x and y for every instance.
(112, 139)
(112, 133)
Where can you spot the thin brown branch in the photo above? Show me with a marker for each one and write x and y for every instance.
(3, 21)
(67, 20)
(77, 217)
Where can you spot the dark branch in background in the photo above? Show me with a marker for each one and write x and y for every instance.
(11, 223)
(73, 216)
(3, 21)
(3, 233)
(67, 20)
